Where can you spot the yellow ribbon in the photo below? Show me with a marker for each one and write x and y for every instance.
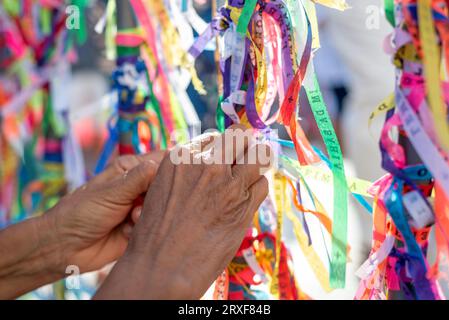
(431, 62)
(383, 107)
(279, 196)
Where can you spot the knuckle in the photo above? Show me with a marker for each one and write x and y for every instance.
(214, 170)
(230, 197)
(240, 188)
(236, 189)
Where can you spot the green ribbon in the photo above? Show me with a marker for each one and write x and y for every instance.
(245, 16)
(128, 51)
(45, 19)
(389, 11)
(154, 104)
(51, 122)
(12, 7)
(111, 30)
(180, 122)
(340, 201)
(81, 34)
(292, 6)
(219, 116)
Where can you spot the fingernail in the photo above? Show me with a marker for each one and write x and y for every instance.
(137, 213)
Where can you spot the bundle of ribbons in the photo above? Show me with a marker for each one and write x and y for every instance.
(411, 201)
(35, 141)
(151, 79)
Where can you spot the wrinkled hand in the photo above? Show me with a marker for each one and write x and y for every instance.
(193, 220)
(93, 223)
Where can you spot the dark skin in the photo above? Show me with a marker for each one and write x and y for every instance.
(192, 222)
(88, 228)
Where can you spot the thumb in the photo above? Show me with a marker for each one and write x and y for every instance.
(136, 181)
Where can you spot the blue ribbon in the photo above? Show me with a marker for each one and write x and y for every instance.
(108, 147)
(415, 257)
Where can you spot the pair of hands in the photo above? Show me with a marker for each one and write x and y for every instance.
(193, 218)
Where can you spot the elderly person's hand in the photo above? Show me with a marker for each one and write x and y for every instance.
(94, 222)
(88, 228)
(194, 218)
